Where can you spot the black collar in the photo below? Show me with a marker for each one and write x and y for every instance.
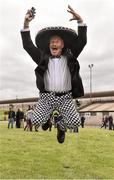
(53, 57)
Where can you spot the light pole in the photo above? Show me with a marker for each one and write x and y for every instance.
(90, 67)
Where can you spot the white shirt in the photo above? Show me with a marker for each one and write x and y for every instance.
(57, 78)
(29, 114)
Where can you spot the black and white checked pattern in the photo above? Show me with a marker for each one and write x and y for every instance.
(64, 104)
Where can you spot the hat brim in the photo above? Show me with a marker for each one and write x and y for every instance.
(68, 35)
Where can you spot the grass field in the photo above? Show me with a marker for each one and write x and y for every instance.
(38, 155)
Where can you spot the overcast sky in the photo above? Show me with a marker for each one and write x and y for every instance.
(17, 77)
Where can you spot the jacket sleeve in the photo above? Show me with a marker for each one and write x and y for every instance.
(31, 49)
(81, 41)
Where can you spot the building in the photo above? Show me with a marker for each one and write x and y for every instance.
(100, 105)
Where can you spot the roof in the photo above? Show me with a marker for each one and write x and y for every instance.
(35, 99)
(99, 107)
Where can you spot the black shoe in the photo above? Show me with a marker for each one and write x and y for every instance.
(46, 125)
(60, 134)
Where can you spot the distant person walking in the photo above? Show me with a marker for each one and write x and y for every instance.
(18, 118)
(11, 116)
(29, 115)
(110, 119)
(21, 118)
(82, 121)
(104, 122)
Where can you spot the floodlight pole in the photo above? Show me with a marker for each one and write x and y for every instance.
(90, 67)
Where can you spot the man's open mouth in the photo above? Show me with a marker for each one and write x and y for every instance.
(54, 48)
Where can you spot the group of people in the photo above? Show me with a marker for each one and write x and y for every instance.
(15, 117)
(20, 118)
(107, 122)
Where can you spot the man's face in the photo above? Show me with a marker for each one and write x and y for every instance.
(10, 109)
(56, 45)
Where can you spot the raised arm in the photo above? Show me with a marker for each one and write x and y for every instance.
(28, 45)
(82, 29)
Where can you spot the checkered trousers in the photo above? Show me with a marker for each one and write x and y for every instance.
(64, 104)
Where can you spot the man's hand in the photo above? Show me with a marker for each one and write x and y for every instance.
(75, 15)
(29, 17)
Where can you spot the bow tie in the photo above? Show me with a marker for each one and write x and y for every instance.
(53, 57)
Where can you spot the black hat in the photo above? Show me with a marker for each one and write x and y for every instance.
(68, 35)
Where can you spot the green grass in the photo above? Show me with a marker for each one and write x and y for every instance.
(38, 155)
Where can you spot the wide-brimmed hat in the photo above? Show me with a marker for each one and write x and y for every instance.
(68, 35)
